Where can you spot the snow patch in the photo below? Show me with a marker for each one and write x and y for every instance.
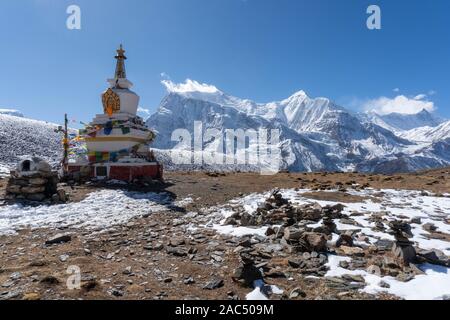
(99, 210)
(395, 204)
(4, 171)
(434, 284)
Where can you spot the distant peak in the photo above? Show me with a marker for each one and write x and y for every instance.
(300, 93)
(12, 112)
(189, 86)
(424, 111)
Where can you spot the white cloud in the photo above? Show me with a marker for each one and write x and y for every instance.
(189, 86)
(420, 96)
(399, 104)
(396, 90)
(143, 111)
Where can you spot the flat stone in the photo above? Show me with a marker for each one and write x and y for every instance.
(38, 181)
(175, 242)
(176, 252)
(353, 278)
(350, 251)
(34, 189)
(384, 244)
(214, 284)
(59, 238)
(31, 296)
(432, 257)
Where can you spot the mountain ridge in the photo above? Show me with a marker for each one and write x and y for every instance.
(316, 133)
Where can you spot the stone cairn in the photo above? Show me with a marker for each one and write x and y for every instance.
(34, 180)
(402, 249)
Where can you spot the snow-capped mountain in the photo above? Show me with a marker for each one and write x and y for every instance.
(428, 134)
(11, 112)
(20, 136)
(316, 134)
(403, 122)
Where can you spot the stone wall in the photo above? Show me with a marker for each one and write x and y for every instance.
(37, 186)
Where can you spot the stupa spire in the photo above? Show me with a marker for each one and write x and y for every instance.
(120, 65)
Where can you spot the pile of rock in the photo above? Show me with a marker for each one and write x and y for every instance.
(34, 180)
(294, 234)
(299, 239)
(403, 249)
(277, 210)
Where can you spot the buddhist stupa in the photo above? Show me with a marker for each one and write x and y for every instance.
(118, 140)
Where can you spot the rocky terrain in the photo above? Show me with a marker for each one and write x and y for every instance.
(234, 236)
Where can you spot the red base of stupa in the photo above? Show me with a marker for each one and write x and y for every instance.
(120, 171)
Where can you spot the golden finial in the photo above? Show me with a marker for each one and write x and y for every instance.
(120, 66)
(120, 53)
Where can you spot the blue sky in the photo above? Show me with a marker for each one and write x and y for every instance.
(263, 50)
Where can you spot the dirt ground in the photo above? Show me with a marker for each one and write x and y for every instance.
(215, 188)
(129, 262)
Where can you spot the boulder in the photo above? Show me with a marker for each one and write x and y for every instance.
(350, 251)
(247, 274)
(434, 257)
(316, 241)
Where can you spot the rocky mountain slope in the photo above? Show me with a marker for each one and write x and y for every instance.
(22, 137)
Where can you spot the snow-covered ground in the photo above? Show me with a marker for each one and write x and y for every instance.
(98, 211)
(105, 208)
(396, 204)
(434, 284)
(21, 137)
(4, 171)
